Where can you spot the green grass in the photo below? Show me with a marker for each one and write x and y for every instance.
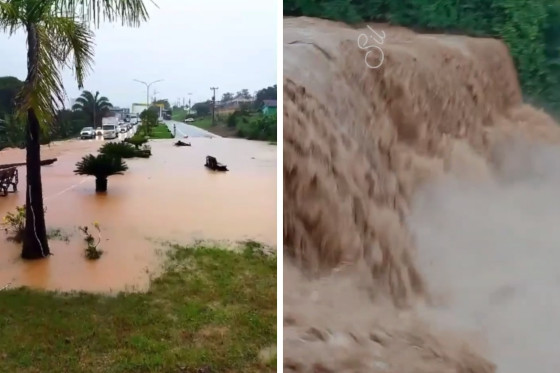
(213, 310)
(248, 127)
(179, 115)
(202, 122)
(161, 132)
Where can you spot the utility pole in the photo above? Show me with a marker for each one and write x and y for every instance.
(214, 89)
(148, 90)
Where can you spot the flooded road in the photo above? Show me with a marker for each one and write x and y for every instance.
(170, 197)
(184, 129)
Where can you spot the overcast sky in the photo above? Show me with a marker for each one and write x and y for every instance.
(192, 45)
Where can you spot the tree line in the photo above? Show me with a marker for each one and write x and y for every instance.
(88, 111)
(269, 93)
(531, 29)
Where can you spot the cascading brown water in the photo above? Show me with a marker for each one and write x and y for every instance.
(359, 143)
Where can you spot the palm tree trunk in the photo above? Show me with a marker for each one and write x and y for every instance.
(101, 185)
(35, 244)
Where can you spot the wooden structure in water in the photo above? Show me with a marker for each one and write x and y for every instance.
(46, 162)
(9, 177)
(214, 165)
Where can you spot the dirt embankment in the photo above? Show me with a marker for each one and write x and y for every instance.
(358, 143)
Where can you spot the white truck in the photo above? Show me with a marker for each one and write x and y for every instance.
(135, 112)
(134, 119)
(110, 127)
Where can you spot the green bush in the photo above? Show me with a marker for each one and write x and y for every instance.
(101, 167)
(137, 140)
(14, 223)
(92, 250)
(149, 119)
(123, 150)
(263, 128)
(232, 119)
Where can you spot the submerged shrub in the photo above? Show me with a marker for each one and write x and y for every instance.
(101, 167)
(118, 149)
(92, 250)
(124, 150)
(137, 140)
(14, 223)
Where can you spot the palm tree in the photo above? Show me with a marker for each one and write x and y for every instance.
(93, 106)
(101, 167)
(56, 31)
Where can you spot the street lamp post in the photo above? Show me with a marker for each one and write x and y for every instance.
(214, 89)
(148, 89)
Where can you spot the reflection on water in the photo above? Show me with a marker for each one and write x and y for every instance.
(169, 197)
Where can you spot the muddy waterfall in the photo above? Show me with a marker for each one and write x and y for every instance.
(398, 187)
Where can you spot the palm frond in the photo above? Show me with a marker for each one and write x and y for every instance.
(51, 41)
(77, 106)
(129, 12)
(102, 166)
(11, 16)
(43, 90)
(104, 102)
(74, 38)
(87, 95)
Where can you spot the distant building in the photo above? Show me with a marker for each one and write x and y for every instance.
(138, 108)
(228, 107)
(119, 112)
(269, 107)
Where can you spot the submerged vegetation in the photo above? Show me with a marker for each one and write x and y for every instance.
(92, 250)
(101, 166)
(137, 140)
(14, 224)
(124, 150)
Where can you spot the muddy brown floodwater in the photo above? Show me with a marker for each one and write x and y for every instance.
(170, 197)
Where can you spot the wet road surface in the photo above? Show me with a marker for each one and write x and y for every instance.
(184, 129)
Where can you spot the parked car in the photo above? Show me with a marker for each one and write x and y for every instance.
(110, 132)
(189, 120)
(87, 133)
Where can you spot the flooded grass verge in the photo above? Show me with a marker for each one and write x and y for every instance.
(211, 310)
